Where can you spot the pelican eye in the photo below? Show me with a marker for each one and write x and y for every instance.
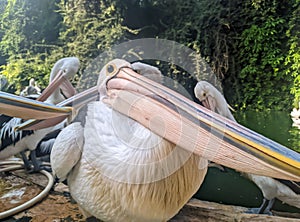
(111, 69)
(204, 94)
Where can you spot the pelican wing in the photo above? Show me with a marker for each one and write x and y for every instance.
(66, 150)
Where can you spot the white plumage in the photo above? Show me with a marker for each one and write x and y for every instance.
(212, 99)
(295, 115)
(124, 172)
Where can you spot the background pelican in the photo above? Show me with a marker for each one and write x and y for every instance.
(13, 142)
(32, 90)
(148, 71)
(286, 191)
(295, 114)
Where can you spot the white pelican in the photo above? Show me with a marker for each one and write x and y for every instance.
(13, 142)
(212, 99)
(128, 195)
(295, 114)
(286, 191)
(118, 170)
(148, 71)
(31, 91)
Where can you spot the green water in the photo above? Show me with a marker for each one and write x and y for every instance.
(230, 187)
(276, 125)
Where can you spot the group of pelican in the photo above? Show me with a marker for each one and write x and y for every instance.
(13, 142)
(138, 151)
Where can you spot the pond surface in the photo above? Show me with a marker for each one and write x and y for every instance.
(230, 187)
(276, 125)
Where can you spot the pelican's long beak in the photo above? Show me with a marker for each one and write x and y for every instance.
(197, 129)
(76, 102)
(24, 108)
(209, 102)
(60, 81)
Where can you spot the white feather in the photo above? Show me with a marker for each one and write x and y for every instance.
(66, 150)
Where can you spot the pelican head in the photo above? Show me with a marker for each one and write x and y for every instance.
(148, 71)
(61, 73)
(32, 82)
(107, 77)
(212, 99)
(108, 72)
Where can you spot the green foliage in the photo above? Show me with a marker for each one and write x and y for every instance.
(252, 46)
(89, 28)
(202, 26)
(19, 72)
(262, 69)
(12, 20)
(25, 38)
(292, 60)
(263, 81)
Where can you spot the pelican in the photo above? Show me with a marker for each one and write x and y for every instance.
(44, 147)
(148, 71)
(32, 90)
(81, 160)
(284, 190)
(13, 142)
(141, 150)
(3, 82)
(295, 114)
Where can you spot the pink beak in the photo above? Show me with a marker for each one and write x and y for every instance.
(59, 81)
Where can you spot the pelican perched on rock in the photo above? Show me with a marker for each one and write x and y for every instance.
(141, 150)
(13, 142)
(284, 190)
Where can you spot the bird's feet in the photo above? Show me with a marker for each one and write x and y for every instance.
(265, 207)
(258, 211)
(34, 164)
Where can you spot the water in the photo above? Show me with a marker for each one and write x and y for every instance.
(232, 188)
(276, 125)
